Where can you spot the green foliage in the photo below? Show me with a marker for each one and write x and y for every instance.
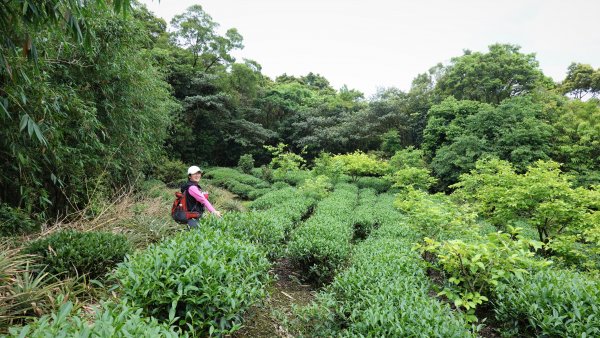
(581, 80)
(459, 133)
(322, 245)
(316, 188)
(383, 293)
(390, 142)
(379, 184)
(14, 221)
(359, 164)
(109, 320)
(578, 140)
(246, 163)
(491, 77)
(474, 269)
(262, 229)
(244, 185)
(542, 198)
(325, 165)
(25, 295)
(284, 162)
(170, 172)
(201, 280)
(266, 173)
(296, 178)
(416, 178)
(407, 157)
(78, 106)
(436, 216)
(195, 31)
(552, 303)
(77, 253)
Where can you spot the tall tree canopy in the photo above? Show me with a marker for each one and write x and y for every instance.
(195, 31)
(491, 77)
(582, 80)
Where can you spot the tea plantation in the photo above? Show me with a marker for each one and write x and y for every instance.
(395, 262)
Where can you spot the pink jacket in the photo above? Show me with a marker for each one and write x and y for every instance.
(199, 196)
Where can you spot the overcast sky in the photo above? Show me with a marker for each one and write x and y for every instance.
(374, 43)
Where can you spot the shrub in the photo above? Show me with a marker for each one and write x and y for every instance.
(76, 253)
(323, 243)
(316, 188)
(203, 280)
(14, 221)
(384, 293)
(295, 178)
(408, 157)
(171, 172)
(475, 269)
(325, 165)
(259, 228)
(379, 184)
(550, 303)
(359, 164)
(246, 164)
(109, 320)
(417, 178)
(266, 173)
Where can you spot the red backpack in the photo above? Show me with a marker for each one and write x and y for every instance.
(179, 210)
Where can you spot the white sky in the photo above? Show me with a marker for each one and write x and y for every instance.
(374, 43)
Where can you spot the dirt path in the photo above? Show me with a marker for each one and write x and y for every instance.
(286, 291)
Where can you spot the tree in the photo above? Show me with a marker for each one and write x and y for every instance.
(195, 31)
(77, 106)
(542, 199)
(492, 77)
(459, 133)
(581, 80)
(577, 142)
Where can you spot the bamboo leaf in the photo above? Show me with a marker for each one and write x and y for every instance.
(24, 120)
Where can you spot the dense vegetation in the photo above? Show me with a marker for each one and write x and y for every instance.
(471, 199)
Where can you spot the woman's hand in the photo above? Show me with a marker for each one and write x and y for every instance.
(217, 213)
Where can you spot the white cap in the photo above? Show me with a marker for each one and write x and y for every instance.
(194, 169)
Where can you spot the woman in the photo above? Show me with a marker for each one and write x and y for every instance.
(195, 198)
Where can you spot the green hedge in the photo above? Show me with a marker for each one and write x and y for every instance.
(255, 227)
(550, 303)
(383, 294)
(77, 253)
(323, 243)
(204, 278)
(110, 320)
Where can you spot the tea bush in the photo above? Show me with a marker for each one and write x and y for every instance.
(363, 214)
(384, 293)
(76, 253)
(322, 244)
(316, 188)
(264, 230)
(379, 184)
(550, 303)
(286, 206)
(274, 198)
(244, 185)
(294, 178)
(220, 175)
(109, 320)
(203, 280)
